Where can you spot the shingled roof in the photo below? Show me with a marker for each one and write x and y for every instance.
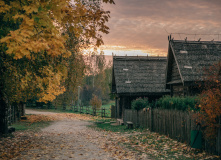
(191, 58)
(139, 75)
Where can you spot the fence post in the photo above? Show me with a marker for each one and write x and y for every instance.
(218, 140)
(94, 112)
(104, 112)
(86, 109)
(81, 109)
(75, 108)
(151, 119)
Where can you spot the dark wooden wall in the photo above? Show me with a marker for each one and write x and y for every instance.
(175, 72)
(124, 102)
(180, 90)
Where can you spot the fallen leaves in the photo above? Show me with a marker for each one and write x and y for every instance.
(76, 140)
(153, 145)
(57, 116)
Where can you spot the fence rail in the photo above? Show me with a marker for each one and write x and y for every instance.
(89, 110)
(173, 123)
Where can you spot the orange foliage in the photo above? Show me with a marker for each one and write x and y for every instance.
(210, 101)
(95, 102)
(36, 51)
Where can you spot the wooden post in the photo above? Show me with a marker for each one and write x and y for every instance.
(151, 119)
(218, 139)
(75, 108)
(104, 112)
(3, 114)
(81, 109)
(94, 112)
(86, 109)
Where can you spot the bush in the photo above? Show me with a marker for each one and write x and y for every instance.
(139, 104)
(178, 103)
(95, 102)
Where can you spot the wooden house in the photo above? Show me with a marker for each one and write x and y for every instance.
(186, 63)
(135, 77)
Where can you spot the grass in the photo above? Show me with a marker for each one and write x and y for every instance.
(114, 128)
(24, 125)
(33, 123)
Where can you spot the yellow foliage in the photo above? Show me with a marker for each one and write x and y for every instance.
(4, 7)
(38, 45)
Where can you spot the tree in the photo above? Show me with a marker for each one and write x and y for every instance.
(98, 78)
(34, 51)
(210, 100)
(95, 102)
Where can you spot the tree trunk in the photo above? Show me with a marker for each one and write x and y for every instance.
(22, 105)
(3, 115)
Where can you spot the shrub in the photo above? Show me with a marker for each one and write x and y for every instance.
(210, 101)
(95, 102)
(178, 103)
(139, 103)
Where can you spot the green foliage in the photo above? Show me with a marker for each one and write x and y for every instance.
(139, 103)
(97, 80)
(178, 103)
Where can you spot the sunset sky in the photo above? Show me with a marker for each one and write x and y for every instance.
(142, 26)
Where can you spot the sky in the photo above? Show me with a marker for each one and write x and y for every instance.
(141, 27)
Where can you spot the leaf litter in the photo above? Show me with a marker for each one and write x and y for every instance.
(80, 143)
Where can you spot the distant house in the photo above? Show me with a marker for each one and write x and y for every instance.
(135, 77)
(186, 61)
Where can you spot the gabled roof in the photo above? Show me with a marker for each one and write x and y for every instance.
(139, 75)
(191, 58)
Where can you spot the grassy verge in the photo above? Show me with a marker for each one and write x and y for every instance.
(33, 123)
(24, 125)
(106, 126)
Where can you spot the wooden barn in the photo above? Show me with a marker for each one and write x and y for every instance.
(186, 63)
(135, 77)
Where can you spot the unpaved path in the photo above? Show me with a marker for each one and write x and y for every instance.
(67, 139)
(71, 138)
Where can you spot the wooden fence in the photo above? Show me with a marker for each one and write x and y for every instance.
(14, 112)
(173, 123)
(89, 110)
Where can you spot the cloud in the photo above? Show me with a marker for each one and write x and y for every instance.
(143, 24)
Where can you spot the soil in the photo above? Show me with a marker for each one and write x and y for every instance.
(67, 139)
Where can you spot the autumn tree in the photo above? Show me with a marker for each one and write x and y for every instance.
(34, 49)
(210, 101)
(95, 102)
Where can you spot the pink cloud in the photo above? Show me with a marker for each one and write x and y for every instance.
(141, 24)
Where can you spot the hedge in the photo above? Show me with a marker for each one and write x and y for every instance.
(178, 103)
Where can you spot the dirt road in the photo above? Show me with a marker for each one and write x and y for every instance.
(71, 138)
(67, 139)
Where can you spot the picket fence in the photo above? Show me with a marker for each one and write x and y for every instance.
(173, 123)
